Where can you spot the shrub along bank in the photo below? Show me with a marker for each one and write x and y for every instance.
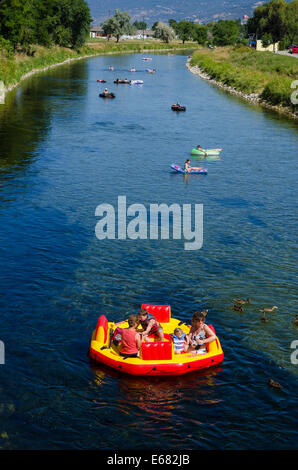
(264, 73)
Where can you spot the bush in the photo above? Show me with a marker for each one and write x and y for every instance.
(6, 48)
(282, 45)
(249, 71)
(278, 91)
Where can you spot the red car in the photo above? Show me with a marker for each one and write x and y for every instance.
(294, 49)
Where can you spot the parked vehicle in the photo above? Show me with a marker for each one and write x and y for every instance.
(294, 49)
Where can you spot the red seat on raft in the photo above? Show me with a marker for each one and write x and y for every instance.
(160, 350)
(162, 313)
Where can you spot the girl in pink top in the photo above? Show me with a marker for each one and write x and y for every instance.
(131, 340)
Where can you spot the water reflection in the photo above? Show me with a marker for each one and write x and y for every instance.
(207, 158)
(25, 118)
(160, 396)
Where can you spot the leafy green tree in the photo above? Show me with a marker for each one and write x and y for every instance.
(80, 25)
(153, 27)
(173, 24)
(269, 18)
(140, 25)
(184, 30)
(291, 22)
(225, 32)
(200, 34)
(276, 19)
(164, 32)
(118, 25)
(62, 22)
(17, 22)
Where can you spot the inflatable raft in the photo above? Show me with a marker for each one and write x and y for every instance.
(136, 82)
(109, 95)
(178, 168)
(206, 151)
(126, 82)
(178, 107)
(156, 357)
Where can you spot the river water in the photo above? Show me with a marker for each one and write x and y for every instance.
(63, 152)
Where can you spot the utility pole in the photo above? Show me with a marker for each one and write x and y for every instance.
(143, 30)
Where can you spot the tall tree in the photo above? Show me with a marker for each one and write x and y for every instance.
(225, 32)
(291, 21)
(63, 22)
(164, 32)
(118, 24)
(184, 30)
(200, 34)
(173, 23)
(269, 18)
(140, 25)
(17, 21)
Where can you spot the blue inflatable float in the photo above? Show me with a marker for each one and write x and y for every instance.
(178, 168)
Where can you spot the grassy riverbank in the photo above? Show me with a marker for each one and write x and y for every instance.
(12, 69)
(267, 74)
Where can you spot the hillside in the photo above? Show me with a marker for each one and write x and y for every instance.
(154, 10)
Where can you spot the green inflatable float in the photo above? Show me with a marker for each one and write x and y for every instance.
(205, 152)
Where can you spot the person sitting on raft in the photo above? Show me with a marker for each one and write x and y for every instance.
(180, 341)
(150, 325)
(201, 150)
(200, 334)
(130, 339)
(106, 92)
(188, 168)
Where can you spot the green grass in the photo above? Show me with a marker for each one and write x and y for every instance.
(13, 68)
(265, 73)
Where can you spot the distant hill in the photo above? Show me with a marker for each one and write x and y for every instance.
(162, 10)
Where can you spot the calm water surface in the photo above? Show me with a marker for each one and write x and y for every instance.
(64, 151)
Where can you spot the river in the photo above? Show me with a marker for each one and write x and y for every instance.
(63, 152)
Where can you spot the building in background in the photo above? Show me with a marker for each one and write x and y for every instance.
(96, 32)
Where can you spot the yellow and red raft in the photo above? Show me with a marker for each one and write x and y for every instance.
(156, 357)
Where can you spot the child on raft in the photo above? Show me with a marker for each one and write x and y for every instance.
(188, 168)
(180, 341)
(200, 334)
(150, 325)
(130, 338)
